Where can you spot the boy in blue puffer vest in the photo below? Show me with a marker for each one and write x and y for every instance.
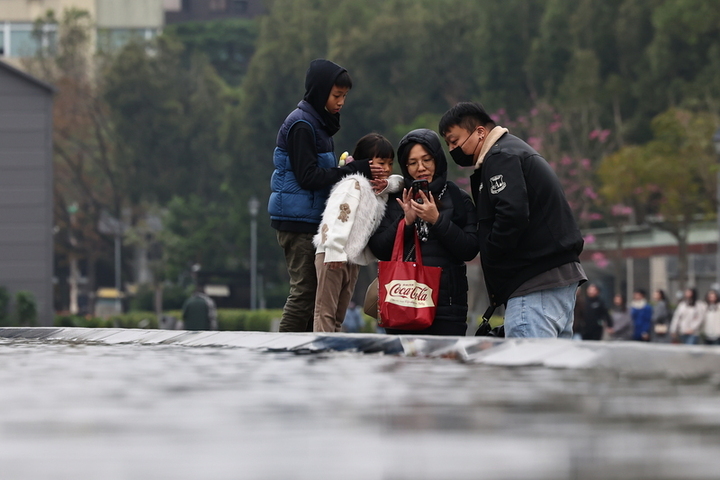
(305, 171)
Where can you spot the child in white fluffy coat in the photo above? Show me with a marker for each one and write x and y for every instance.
(353, 212)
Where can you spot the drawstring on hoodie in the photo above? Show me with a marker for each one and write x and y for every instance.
(423, 228)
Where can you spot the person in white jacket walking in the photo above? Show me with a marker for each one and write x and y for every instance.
(711, 321)
(688, 318)
(352, 214)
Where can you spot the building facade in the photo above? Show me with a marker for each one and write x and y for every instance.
(116, 23)
(178, 11)
(646, 257)
(26, 188)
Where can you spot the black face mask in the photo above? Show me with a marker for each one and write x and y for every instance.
(461, 158)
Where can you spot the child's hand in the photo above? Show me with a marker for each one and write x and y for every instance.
(406, 204)
(379, 185)
(427, 210)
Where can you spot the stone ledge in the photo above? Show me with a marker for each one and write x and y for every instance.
(630, 358)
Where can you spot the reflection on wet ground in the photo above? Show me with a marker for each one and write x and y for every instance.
(82, 411)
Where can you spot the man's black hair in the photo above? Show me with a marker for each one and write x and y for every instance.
(467, 115)
(343, 80)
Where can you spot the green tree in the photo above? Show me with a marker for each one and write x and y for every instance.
(670, 180)
(168, 121)
(25, 308)
(229, 44)
(85, 177)
(196, 232)
(684, 50)
(4, 306)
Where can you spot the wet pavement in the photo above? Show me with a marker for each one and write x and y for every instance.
(146, 404)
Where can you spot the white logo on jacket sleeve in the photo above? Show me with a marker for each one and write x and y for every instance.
(409, 293)
(497, 184)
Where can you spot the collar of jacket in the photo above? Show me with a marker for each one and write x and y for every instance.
(491, 140)
(306, 107)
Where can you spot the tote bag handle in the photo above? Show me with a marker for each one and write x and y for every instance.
(398, 247)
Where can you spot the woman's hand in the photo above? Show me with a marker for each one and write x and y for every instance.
(407, 205)
(427, 210)
(334, 265)
(377, 171)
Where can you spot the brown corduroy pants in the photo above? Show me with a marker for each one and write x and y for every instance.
(334, 291)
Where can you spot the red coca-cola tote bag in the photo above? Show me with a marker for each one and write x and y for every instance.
(407, 291)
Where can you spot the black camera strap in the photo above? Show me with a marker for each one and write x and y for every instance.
(485, 329)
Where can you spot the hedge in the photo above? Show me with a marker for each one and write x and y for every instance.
(228, 319)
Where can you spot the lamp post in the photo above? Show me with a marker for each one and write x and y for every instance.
(716, 142)
(253, 207)
(114, 226)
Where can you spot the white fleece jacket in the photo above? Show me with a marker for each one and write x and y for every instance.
(352, 214)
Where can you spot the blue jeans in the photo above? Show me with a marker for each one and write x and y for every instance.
(544, 314)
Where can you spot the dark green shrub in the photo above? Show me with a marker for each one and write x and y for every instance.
(25, 308)
(236, 319)
(143, 300)
(65, 321)
(174, 296)
(369, 324)
(79, 321)
(228, 320)
(134, 320)
(94, 322)
(258, 321)
(4, 307)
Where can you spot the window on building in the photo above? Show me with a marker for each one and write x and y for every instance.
(113, 39)
(218, 5)
(187, 5)
(22, 44)
(238, 6)
(17, 40)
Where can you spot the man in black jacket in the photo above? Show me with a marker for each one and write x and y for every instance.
(529, 241)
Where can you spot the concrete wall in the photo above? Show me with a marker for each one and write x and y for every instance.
(29, 10)
(107, 13)
(130, 14)
(26, 193)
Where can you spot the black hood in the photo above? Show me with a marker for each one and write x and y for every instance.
(431, 141)
(319, 80)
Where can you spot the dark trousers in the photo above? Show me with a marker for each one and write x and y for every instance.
(300, 304)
